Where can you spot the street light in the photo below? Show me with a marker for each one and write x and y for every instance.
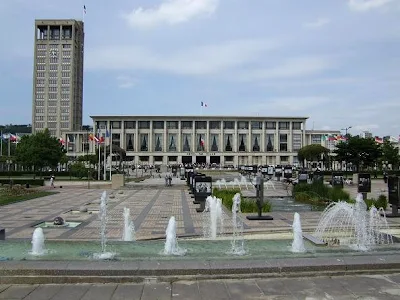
(345, 162)
(346, 129)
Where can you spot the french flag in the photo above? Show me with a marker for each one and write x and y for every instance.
(203, 104)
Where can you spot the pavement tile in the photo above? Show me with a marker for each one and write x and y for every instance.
(128, 291)
(215, 290)
(100, 292)
(274, 287)
(44, 292)
(156, 291)
(184, 290)
(4, 287)
(244, 289)
(71, 292)
(17, 291)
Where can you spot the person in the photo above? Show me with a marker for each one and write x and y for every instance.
(52, 181)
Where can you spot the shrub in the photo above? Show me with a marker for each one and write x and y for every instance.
(32, 182)
(382, 201)
(246, 205)
(318, 193)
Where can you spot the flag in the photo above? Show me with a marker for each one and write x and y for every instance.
(324, 137)
(14, 138)
(203, 104)
(378, 140)
(61, 140)
(202, 142)
(84, 9)
(94, 138)
(107, 134)
(392, 139)
(5, 136)
(332, 138)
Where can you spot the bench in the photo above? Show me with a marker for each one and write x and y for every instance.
(2, 234)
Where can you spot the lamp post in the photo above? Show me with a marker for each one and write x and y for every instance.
(345, 162)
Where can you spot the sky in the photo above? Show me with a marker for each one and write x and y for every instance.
(334, 61)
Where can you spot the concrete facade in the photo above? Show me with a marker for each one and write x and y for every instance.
(225, 140)
(58, 76)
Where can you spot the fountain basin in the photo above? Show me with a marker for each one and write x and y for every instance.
(197, 250)
(51, 225)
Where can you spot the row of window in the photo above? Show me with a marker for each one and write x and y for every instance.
(51, 125)
(214, 144)
(202, 125)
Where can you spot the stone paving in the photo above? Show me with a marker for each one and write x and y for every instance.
(382, 287)
(151, 205)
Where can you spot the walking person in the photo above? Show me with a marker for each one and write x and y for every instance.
(52, 181)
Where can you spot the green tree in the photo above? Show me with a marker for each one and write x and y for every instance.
(360, 152)
(39, 150)
(79, 170)
(390, 154)
(92, 159)
(312, 152)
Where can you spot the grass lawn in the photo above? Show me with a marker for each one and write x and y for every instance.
(8, 197)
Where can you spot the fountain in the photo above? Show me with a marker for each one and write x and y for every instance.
(38, 242)
(237, 242)
(103, 227)
(171, 243)
(129, 227)
(343, 223)
(212, 218)
(298, 242)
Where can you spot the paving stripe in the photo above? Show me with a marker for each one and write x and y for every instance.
(187, 217)
(140, 218)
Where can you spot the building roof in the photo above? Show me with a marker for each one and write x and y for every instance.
(191, 117)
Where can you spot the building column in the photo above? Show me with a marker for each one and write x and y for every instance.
(179, 141)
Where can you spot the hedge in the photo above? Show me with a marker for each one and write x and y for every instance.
(37, 173)
(32, 182)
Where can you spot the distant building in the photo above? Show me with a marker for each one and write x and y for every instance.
(224, 140)
(58, 76)
(366, 134)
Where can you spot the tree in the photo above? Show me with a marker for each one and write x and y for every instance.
(312, 152)
(39, 150)
(79, 170)
(360, 152)
(390, 154)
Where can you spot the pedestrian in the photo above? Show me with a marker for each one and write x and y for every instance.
(52, 181)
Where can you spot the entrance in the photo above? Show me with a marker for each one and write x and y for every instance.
(200, 159)
(186, 159)
(215, 160)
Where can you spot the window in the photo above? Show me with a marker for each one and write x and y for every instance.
(229, 125)
(52, 110)
(284, 125)
(64, 125)
(52, 103)
(158, 124)
(53, 67)
(172, 124)
(296, 142)
(130, 125)
(215, 124)
(130, 142)
(316, 139)
(158, 142)
(51, 118)
(52, 96)
(115, 124)
(269, 142)
(187, 124)
(243, 125)
(144, 125)
(256, 125)
(296, 125)
(101, 124)
(52, 125)
(283, 142)
(116, 139)
(242, 141)
(201, 125)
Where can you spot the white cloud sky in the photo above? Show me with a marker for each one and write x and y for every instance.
(366, 5)
(170, 12)
(335, 61)
(320, 22)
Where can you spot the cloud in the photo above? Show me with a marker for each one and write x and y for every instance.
(171, 12)
(290, 68)
(366, 5)
(286, 105)
(200, 60)
(320, 22)
(365, 127)
(126, 82)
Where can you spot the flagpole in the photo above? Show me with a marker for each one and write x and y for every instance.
(9, 145)
(110, 149)
(104, 159)
(98, 145)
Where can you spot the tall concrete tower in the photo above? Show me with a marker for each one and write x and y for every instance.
(58, 76)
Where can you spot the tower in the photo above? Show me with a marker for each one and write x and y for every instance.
(58, 76)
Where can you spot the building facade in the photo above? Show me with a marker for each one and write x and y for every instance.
(224, 140)
(58, 76)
